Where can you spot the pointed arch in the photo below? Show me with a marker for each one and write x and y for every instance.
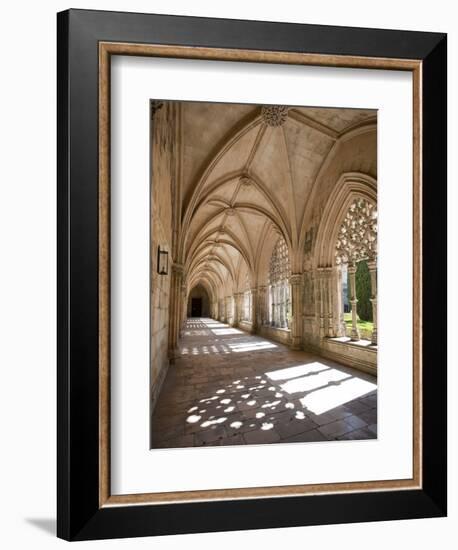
(348, 187)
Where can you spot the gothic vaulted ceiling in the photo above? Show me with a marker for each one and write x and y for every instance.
(251, 173)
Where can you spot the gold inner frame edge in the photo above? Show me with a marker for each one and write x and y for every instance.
(106, 50)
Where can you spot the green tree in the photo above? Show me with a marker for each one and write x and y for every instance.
(363, 291)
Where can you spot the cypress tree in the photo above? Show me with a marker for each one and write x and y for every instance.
(363, 291)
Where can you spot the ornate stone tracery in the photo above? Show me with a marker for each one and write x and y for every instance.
(357, 237)
(279, 267)
(356, 242)
(274, 115)
(279, 285)
(247, 313)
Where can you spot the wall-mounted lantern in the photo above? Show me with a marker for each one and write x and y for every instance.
(162, 261)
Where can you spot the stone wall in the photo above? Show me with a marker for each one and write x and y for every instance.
(163, 174)
(277, 334)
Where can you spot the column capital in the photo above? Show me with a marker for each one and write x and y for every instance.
(351, 269)
(177, 269)
(295, 278)
(372, 265)
(324, 271)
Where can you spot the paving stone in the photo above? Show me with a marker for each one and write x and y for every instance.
(170, 433)
(306, 437)
(294, 427)
(341, 412)
(355, 407)
(335, 429)
(250, 405)
(372, 428)
(355, 422)
(177, 442)
(324, 418)
(282, 417)
(258, 437)
(369, 417)
(370, 401)
(167, 422)
(362, 433)
(199, 384)
(236, 439)
(239, 424)
(212, 434)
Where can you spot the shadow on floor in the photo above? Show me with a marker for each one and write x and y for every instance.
(233, 388)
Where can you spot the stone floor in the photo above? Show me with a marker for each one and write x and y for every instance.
(232, 388)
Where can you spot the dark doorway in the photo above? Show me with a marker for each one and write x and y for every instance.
(196, 307)
(198, 302)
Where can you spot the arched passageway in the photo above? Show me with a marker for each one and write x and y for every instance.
(198, 302)
(269, 216)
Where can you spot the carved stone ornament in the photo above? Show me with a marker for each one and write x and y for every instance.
(279, 267)
(177, 269)
(274, 115)
(357, 237)
(245, 180)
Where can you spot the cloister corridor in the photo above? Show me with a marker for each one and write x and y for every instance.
(230, 387)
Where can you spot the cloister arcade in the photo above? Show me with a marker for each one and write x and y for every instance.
(263, 211)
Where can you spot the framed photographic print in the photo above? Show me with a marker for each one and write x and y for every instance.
(252, 274)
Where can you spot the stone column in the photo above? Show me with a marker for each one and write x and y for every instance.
(282, 306)
(277, 306)
(330, 302)
(272, 304)
(296, 310)
(236, 309)
(338, 303)
(228, 311)
(254, 309)
(353, 301)
(175, 308)
(184, 309)
(372, 265)
(262, 301)
(320, 292)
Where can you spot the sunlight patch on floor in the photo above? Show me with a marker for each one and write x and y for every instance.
(328, 398)
(299, 370)
(252, 346)
(308, 383)
(225, 331)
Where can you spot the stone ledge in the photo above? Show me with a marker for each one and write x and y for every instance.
(360, 344)
(351, 354)
(282, 335)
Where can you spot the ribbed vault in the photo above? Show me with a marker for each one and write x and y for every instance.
(249, 175)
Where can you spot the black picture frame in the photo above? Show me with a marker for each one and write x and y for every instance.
(79, 515)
